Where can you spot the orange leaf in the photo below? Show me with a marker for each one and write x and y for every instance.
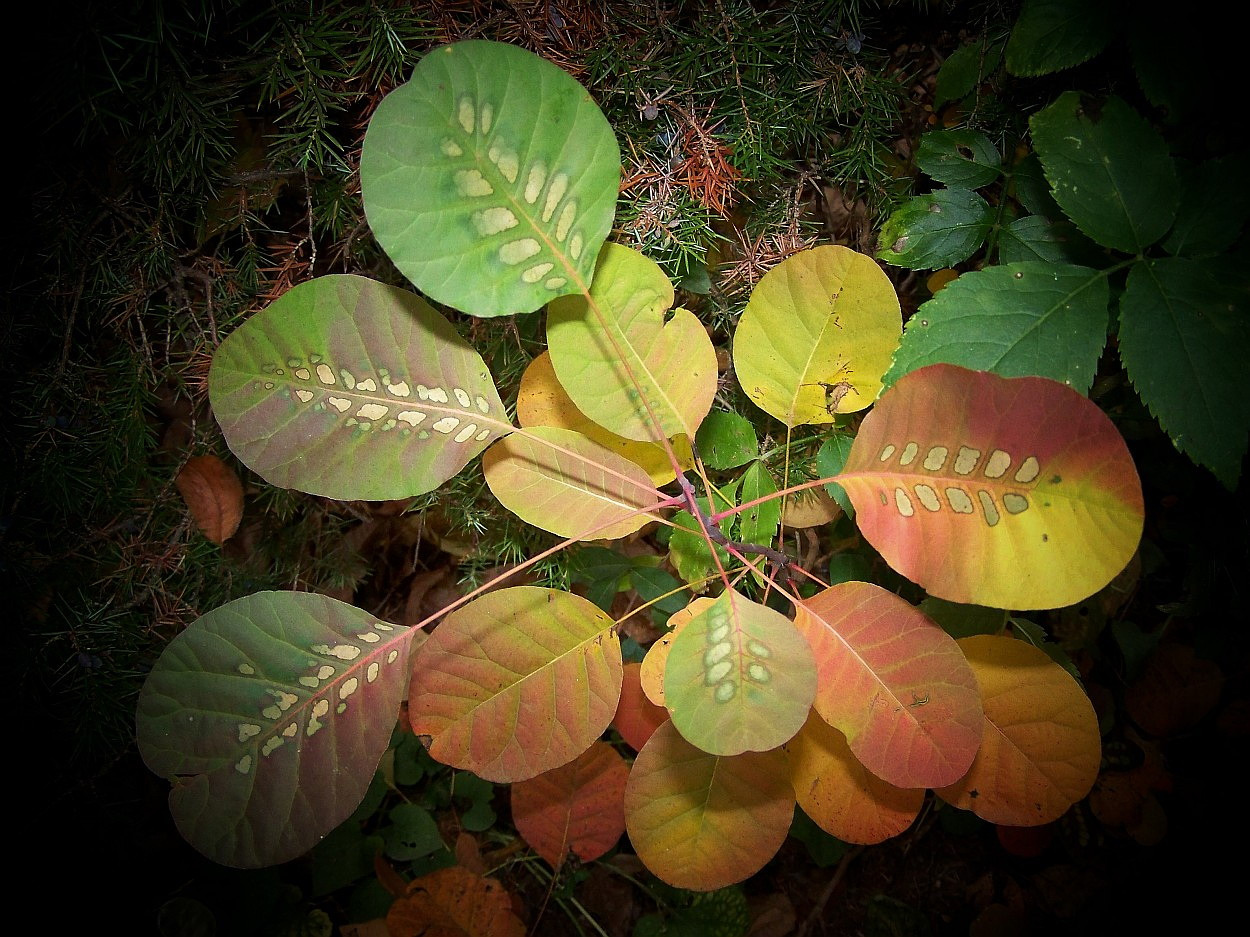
(579, 806)
(652, 673)
(841, 796)
(636, 716)
(1041, 748)
(453, 902)
(214, 494)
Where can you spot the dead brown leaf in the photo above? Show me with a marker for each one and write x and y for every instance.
(214, 495)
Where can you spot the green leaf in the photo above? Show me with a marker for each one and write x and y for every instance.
(758, 524)
(651, 583)
(1214, 206)
(739, 677)
(961, 158)
(849, 567)
(688, 551)
(346, 388)
(490, 179)
(1037, 238)
(344, 856)
(726, 440)
(602, 570)
(1027, 184)
(1017, 319)
(411, 833)
(1052, 35)
(936, 230)
(1108, 169)
(560, 481)
(479, 793)
(1183, 340)
(960, 620)
(516, 682)
(255, 704)
(965, 68)
(830, 458)
(817, 335)
(621, 363)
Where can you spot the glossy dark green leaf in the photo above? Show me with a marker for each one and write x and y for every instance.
(830, 458)
(726, 440)
(1052, 35)
(1048, 320)
(936, 230)
(1214, 206)
(1108, 169)
(1184, 342)
(960, 158)
(964, 68)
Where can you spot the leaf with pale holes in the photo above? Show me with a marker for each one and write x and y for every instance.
(817, 335)
(578, 807)
(1042, 747)
(704, 821)
(347, 388)
(1016, 493)
(841, 796)
(560, 481)
(894, 683)
(213, 494)
(621, 362)
(255, 706)
(515, 683)
(541, 401)
(739, 677)
(490, 179)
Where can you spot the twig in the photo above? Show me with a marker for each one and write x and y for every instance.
(827, 892)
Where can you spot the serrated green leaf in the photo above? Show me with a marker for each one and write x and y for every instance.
(255, 703)
(1037, 238)
(830, 458)
(961, 158)
(758, 524)
(1214, 206)
(936, 230)
(965, 68)
(1048, 320)
(1027, 184)
(1184, 342)
(687, 549)
(1051, 35)
(650, 583)
(490, 179)
(960, 620)
(1108, 169)
(726, 440)
(347, 388)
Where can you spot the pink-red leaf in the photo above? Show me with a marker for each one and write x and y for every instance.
(1014, 493)
(579, 806)
(894, 683)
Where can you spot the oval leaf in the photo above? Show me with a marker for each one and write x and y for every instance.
(843, 797)
(213, 494)
(560, 481)
(350, 389)
(817, 335)
(578, 807)
(490, 179)
(1051, 35)
(939, 229)
(541, 401)
(454, 901)
(1048, 320)
(1042, 748)
(963, 158)
(1108, 169)
(515, 683)
(703, 821)
(1015, 493)
(739, 677)
(894, 683)
(621, 363)
(256, 704)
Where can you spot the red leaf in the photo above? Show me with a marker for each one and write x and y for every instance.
(453, 902)
(579, 806)
(636, 716)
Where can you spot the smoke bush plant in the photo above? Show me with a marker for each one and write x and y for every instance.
(490, 179)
